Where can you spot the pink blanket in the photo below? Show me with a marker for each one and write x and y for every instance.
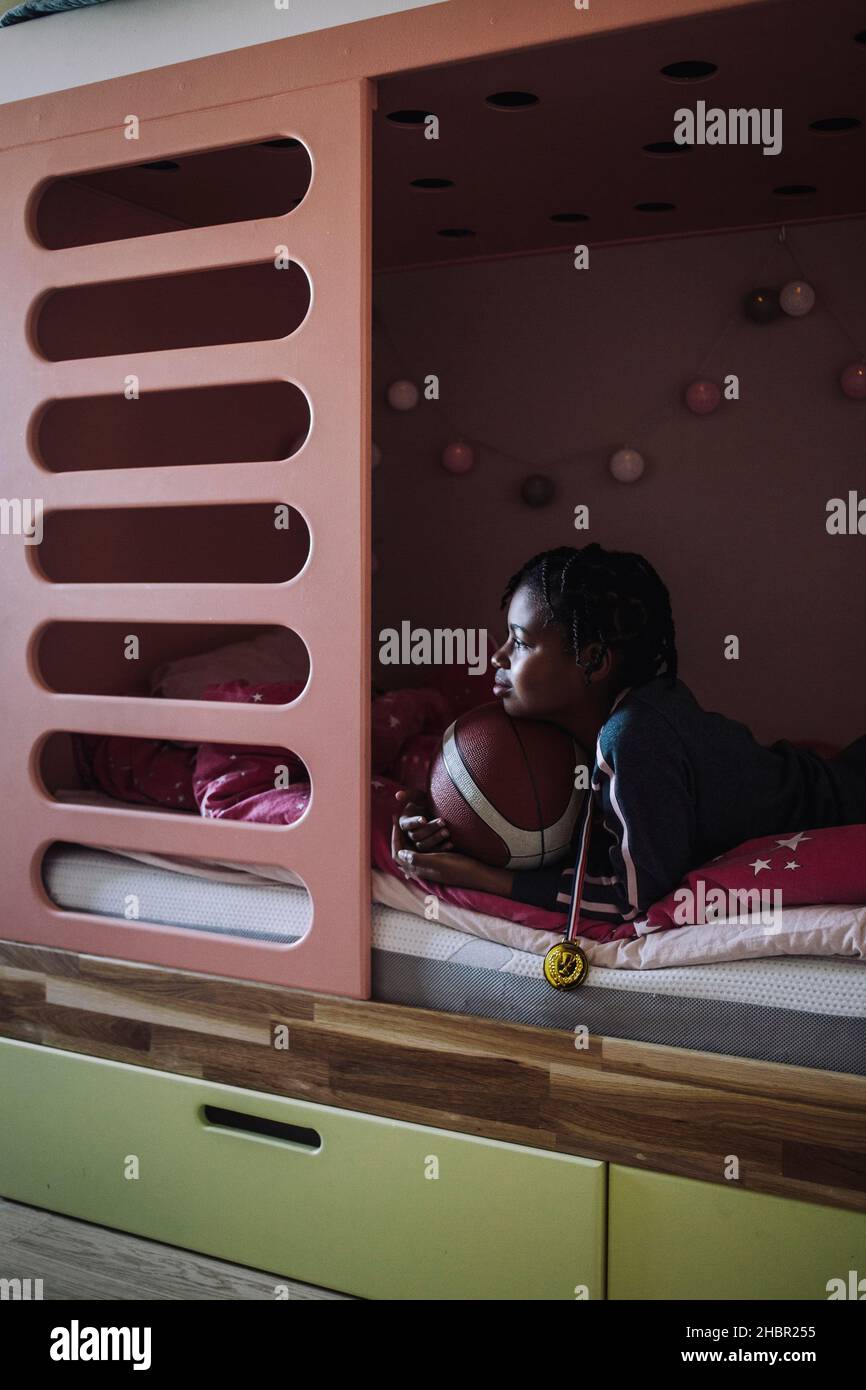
(269, 785)
(264, 785)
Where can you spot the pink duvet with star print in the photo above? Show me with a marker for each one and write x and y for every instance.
(143, 771)
(264, 785)
(269, 786)
(766, 875)
(225, 781)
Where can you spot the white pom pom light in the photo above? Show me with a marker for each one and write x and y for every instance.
(458, 457)
(797, 298)
(402, 395)
(626, 465)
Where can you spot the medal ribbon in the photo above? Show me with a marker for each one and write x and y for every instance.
(573, 924)
(590, 811)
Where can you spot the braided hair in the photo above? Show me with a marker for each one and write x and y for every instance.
(614, 597)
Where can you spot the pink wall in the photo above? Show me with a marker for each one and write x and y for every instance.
(542, 359)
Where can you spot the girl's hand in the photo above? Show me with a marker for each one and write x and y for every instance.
(450, 869)
(423, 833)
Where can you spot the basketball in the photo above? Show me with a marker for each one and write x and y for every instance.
(506, 788)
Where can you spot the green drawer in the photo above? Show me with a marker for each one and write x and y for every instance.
(675, 1238)
(348, 1206)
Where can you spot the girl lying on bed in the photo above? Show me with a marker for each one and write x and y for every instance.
(591, 648)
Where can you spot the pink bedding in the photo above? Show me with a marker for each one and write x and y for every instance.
(767, 875)
(267, 785)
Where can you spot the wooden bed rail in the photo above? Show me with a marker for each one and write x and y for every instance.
(797, 1132)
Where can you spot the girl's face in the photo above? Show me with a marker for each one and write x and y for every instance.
(536, 676)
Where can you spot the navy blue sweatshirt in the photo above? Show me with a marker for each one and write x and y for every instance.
(675, 785)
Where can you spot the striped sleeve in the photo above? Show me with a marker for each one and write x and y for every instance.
(644, 844)
(546, 888)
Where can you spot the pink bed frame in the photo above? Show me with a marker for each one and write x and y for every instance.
(327, 603)
(189, 107)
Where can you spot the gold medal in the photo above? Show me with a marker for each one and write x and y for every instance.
(565, 965)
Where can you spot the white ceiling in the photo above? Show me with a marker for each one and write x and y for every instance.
(67, 50)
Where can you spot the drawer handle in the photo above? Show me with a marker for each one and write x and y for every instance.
(257, 1124)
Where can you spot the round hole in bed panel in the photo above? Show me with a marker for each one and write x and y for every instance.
(835, 125)
(407, 118)
(511, 101)
(200, 308)
(666, 147)
(203, 189)
(174, 661)
(691, 70)
(249, 422)
(261, 903)
(250, 543)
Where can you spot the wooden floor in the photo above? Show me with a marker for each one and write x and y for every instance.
(75, 1261)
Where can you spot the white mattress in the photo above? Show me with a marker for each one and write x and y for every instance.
(807, 1011)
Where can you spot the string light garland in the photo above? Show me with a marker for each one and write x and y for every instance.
(763, 306)
(703, 397)
(853, 381)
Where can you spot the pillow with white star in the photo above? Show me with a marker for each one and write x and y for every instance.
(761, 877)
